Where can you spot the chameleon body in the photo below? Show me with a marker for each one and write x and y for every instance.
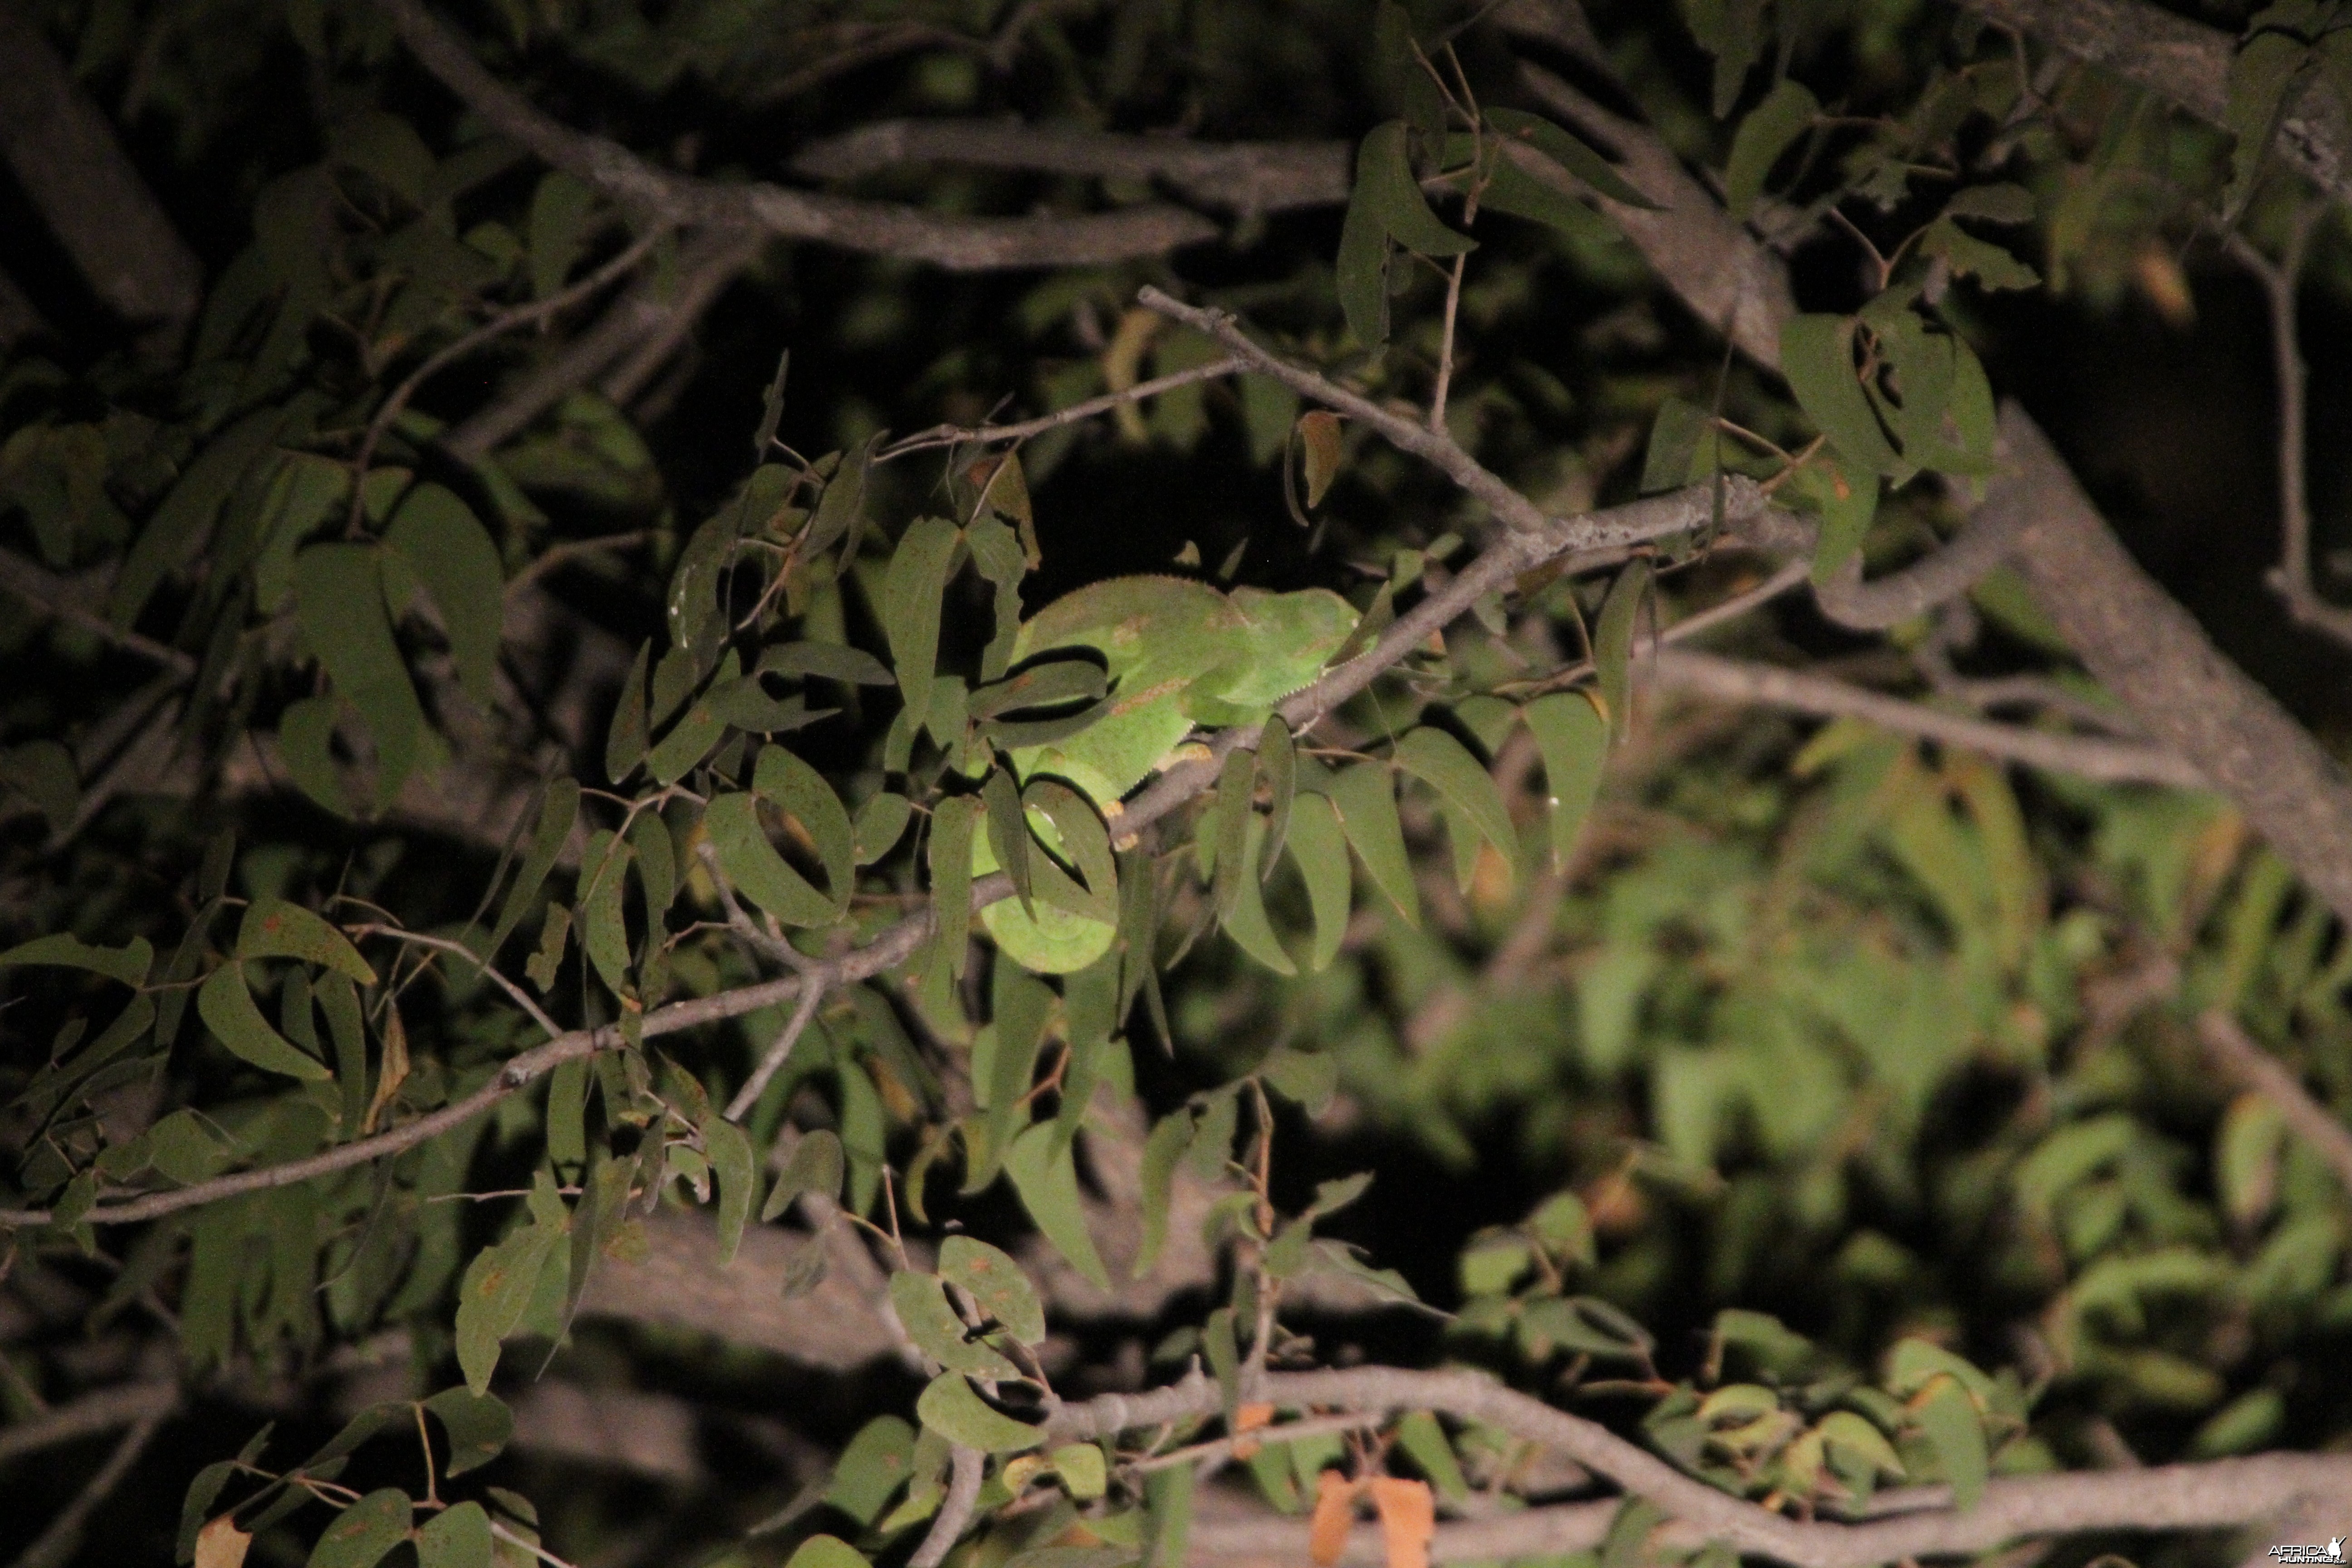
(1178, 654)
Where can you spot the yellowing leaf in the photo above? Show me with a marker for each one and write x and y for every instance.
(1318, 446)
(221, 1544)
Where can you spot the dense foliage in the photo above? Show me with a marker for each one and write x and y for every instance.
(788, 732)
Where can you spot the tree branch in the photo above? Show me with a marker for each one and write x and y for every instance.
(2140, 643)
(2178, 60)
(959, 244)
(2086, 756)
(1247, 177)
(2170, 1497)
(75, 173)
(2280, 281)
(2237, 1054)
(1983, 543)
(1001, 434)
(955, 1510)
(93, 1413)
(58, 1543)
(54, 596)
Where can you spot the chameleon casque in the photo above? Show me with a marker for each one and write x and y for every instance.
(1177, 654)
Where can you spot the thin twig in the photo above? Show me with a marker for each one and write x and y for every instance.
(99, 1412)
(57, 1544)
(504, 321)
(1445, 345)
(2236, 1051)
(49, 594)
(515, 994)
(2281, 279)
(999, 435)
(2086, 756)
(570, 550)
(779, 1052)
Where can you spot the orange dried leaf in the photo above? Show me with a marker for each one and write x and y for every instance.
(1408, 1519)
(1249, 1418)
(221, 1544)
(1335, 1516)
(1318, 440)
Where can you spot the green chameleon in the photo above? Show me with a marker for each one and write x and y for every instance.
(1178, 654)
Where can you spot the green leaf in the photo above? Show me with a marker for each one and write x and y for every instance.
(881, 821)
(1817, 357)
(177, 530)
(912, 594)
(228, 1010)
(451, 553)
(816, 1165)
(128, 964)
(629, 739)
(953, 820)
(800, 791)
(1045, 1174)
(830, 661)
(1573, 737)
(950, 1408)
(1383, 170)
(273, 927)
(559, 210)
(1425, 1443)
(828, 1552)
(496, 1292)
(731, 823)
(365, 1533)
(556, 813)
(1981, 259)
(479, 1426)
(458, 1537)
(1245, 922)
(306, 732)
(875, 1464)
(1613, 644)
(1949, 1418)
(1082, 839)
(1994, 204)
(1319, 850)
(1466, 788)
(1008, 833)
(1511, 188)
(996, 555)
(1162, 1150)
(1364, 795)
(604, 877)
(1081, 1467)
(1306, 1078)
(339, 602)
(732, 1160)
(1848, 502)
(43, 772)
(924, 1313)
(1571, 153)
(1224, 830)
(997, 1285)
(1769, 130)
(2264, 79)
(1362, 267)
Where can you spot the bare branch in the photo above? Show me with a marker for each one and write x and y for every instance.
(75, 173)
(2140, 644)
(2280, 281)
(2237, 1054)
(2170, 1497)
(955, 1512)
(503, 322)
(1711, 263)
(57, 1544)
(1245, 177)
(1981, 544)
(51, 595)
(101, 1412)
(2086, 756)
(779, 1052)
(959, 244)
(2181, 60)
(696, 291)
(1001, 434)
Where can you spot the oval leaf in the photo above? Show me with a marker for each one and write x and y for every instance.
(228, 1010)
(949, 1407)
(275, 929)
